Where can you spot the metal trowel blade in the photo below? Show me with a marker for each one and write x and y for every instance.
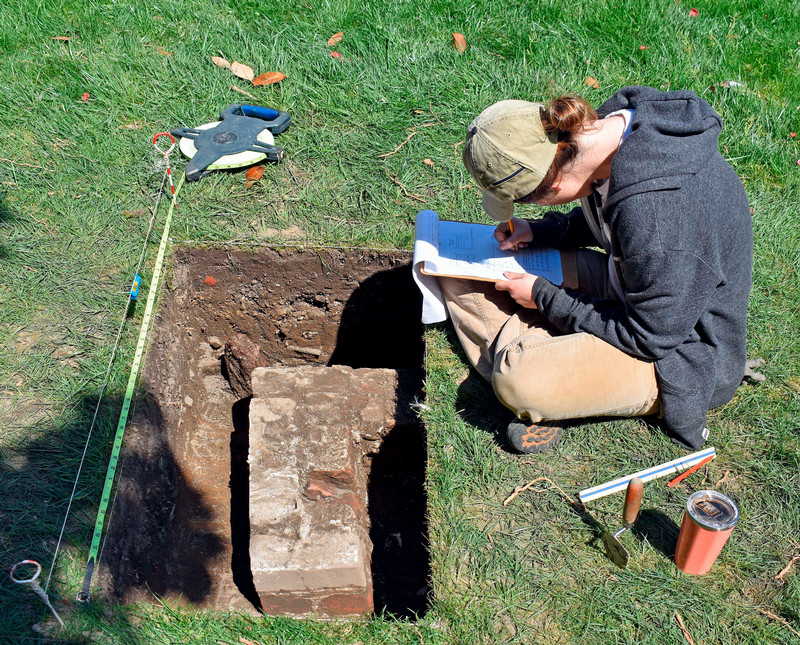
(617, 553)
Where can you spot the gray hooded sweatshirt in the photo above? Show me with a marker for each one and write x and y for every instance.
(681, 227)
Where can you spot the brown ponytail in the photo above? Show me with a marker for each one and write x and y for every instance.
(566, 116)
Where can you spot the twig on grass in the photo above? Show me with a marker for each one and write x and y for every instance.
(389, 154)
(522, 489)
(396, 182)
(786, 569)
(27, 165)
(430, 108)
(724, 478)
(241, 91)
(41, 223)
(685, 631)
(779, 619)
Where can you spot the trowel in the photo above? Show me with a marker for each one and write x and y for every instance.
(630, 511)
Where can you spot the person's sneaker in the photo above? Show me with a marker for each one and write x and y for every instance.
(533, 437)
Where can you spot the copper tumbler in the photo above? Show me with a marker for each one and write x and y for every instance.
(708, 521)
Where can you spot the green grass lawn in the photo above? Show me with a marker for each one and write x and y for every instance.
(78, 179)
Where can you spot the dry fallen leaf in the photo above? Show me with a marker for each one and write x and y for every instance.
(242, 71)
(253, 175)
(61, 38)
(269, 78)
(163, 52)
(428, 162)
(591, 82)
(418, 112)
(220, 62)
(459, 43)
(335, 38)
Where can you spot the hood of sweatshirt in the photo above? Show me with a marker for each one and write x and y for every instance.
(673, 135)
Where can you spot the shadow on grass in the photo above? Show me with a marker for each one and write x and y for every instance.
(37, 473)
(658, 529)
(477, 405)
(6, 217)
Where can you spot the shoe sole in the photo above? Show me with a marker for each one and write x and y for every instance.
(533, 438)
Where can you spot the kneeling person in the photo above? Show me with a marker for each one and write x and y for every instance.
(653, 323)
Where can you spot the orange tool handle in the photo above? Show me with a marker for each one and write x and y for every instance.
(633, 501)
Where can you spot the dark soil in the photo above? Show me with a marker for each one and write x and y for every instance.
(181, 485)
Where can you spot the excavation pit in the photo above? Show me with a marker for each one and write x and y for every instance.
(306, 498)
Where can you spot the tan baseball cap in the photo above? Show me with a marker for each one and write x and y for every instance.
(508, 153)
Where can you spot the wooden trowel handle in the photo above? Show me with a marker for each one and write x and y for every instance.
(633, 501)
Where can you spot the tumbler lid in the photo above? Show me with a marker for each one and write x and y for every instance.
(712, 510)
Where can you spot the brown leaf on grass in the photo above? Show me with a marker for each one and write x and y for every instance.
(62, 38)
(163, 52)
(253, 175)
(428, 162)
(591, 82)
(337, 37)
(220, 62)
(459, 43)
(269, 78)
(242, 71)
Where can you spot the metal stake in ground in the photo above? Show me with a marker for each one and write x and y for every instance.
(34, 583)
(84, 594)
(630, 511)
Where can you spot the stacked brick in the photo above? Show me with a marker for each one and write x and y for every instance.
(310, 428)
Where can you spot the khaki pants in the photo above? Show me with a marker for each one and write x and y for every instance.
(539, 372)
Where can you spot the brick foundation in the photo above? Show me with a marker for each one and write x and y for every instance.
(309, 529)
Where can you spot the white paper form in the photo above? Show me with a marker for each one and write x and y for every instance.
(461, 249)
(426, 238)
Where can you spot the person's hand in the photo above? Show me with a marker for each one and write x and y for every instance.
(519, 287)
(518, 239)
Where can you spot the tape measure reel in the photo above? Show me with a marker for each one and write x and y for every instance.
(228, 161)
(244, 136)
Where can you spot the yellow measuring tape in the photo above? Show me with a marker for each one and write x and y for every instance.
(84, 594)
